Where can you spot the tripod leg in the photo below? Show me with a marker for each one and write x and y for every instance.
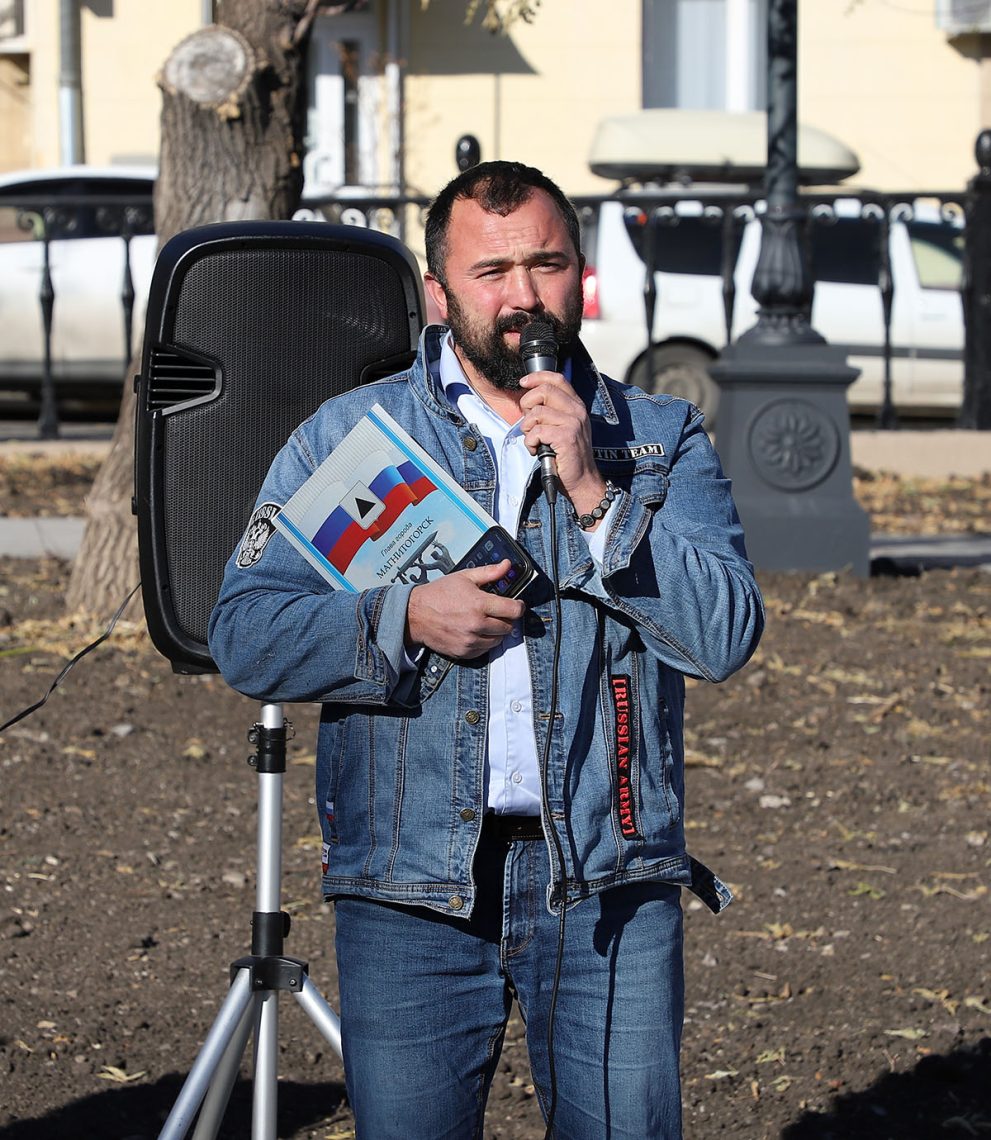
(320, 1013)
(215, 1103)
(223, 1029)
(265, 1104)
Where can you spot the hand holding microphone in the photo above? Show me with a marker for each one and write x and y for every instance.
(558, 409)
(538, 348)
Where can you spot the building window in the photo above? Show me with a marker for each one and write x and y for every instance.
(705, 54)
(350, 51)
(11, 20)
(344, 94)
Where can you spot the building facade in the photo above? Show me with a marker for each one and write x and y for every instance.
(393, 85)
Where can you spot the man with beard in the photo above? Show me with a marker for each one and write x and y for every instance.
(482, 759)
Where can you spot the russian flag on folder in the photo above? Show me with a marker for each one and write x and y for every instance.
(341, 535)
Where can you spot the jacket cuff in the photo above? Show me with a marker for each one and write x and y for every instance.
(385, 651)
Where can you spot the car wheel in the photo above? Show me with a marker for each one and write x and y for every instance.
(680, 370)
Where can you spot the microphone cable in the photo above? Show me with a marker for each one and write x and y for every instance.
(538, 350)
(558, 849)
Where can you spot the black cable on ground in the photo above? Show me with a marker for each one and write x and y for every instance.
(78, 657)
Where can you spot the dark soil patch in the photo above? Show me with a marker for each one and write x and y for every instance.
(43, 486)
(840, 783)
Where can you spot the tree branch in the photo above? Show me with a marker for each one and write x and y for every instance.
(500, 15)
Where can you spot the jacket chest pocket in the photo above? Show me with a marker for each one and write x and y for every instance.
(647, 478)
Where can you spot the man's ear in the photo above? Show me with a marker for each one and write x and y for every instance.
(436, 293)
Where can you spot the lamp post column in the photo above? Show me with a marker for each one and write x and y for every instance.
(976, 409)
(784, 428)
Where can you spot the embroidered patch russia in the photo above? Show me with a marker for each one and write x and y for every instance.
(624, 787)
(259, 530)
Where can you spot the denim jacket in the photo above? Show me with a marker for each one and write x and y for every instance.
(401, 759)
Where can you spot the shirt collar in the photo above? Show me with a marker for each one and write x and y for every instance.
(453, 379)
(452, 376)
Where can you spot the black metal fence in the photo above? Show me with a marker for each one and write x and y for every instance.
(35, 228)
(651, 217)
(847, 238)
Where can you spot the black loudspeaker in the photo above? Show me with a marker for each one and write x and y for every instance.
(250, 327)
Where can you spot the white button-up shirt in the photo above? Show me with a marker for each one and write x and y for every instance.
(512, 764)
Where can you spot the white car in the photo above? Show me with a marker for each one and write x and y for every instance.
(690, 318)
(86, 253)
(705, 229)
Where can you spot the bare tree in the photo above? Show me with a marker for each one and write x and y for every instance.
(233, 116)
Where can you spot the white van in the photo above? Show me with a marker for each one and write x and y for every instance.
(691, 318)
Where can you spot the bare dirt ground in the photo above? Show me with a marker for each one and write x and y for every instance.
(840, 783)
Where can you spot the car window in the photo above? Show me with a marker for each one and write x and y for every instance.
(846, 250)
(937, 249)
(683, 244)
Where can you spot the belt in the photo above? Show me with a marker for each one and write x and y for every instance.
(510, 827)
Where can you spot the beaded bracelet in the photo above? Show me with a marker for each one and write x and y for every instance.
(586, 522)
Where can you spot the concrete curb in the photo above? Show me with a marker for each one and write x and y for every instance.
(41, 538)
(913, 553)
(933, 454)
(99, 448)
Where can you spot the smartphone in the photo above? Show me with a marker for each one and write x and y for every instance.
(495, 545)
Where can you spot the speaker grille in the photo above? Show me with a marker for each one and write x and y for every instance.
(290, 327)
(176, 378)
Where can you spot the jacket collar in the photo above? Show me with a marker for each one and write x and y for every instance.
(589, 384)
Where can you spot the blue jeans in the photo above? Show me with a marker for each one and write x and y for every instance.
(425, 998)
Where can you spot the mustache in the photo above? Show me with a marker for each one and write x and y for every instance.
(517, 322)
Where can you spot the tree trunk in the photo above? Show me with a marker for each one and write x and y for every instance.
(232, 119)
(231, 147)
(233, 113)
(106, 565)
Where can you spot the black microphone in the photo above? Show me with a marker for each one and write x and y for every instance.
(538, 348)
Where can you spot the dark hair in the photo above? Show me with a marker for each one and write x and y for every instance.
(499, 188)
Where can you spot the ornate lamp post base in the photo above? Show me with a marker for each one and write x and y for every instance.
(784, 427)
(784, 439)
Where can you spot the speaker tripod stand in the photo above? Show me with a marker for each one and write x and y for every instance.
(257, 980)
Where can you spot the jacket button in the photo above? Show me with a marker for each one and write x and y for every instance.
(455, 902)
(473, 716)
(470, 443)
(467, 815)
